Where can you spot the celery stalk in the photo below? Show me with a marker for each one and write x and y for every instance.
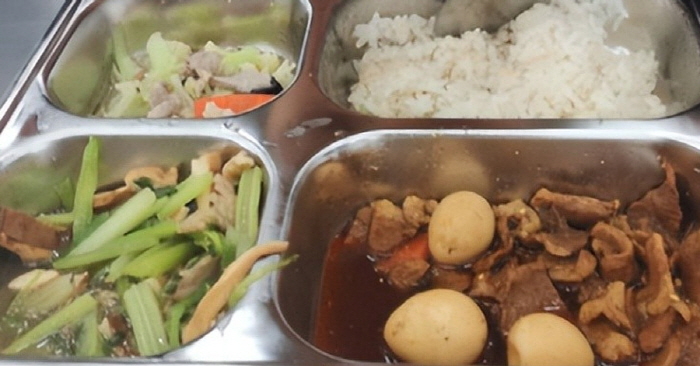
(187, 190)
(133, 242)
(247, 207)
(89, 342)
(143, 311)
(66, 193)
(69, 314)
(240, 290)
(45, 298)
(116, 268)
(58, 219)
(177, 311)
(160, 259)
(125, 218)
(85, 189)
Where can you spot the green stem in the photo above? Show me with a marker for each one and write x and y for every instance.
(85, 189)
(240, 290)
(143, 311)
(177, 311)
(187, 190)
(247, 209)
(69, 314)
(136, 241)
(125, 218)
(160, 259)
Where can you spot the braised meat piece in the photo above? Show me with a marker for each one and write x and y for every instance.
(611, 306)
(388, 227)
(450, 278)
(669, 354)
(689, 265)
(525, 280)
(579, 211)
(659, 209)
(656, 331)
(568, 270)
(359, 230)
(407, 264)
(417, 211)
(503, 247)
(615, 253)
(659, 294)
(608, 343)
(557, 236)
(22, 228)
(523, 221)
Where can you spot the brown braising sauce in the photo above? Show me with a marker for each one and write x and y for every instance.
(355, 303)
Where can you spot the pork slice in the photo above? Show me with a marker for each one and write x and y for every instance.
(669, 354)
(656, 331)
(615, 252)
(611, 306)
(359, 229)
(504, 247)
(450, 278)
(388, 227)
(570, 269)
(689, 265)
(407, 274)
(558, 238)
(243, 82)
(417, 211)
(530, 291)
(659, 293)
(204, 62)
(609, 344)
(659, 208)
(22, 228)
(579, 211)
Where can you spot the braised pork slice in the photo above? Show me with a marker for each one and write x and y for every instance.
(615, 252)
(526, 280)
(557, 237)
(388, 227)
(668, 355)
(689, 265)
(608, 343)
(658, 294)
(659, 208)
(572, 269)
(579, 211)
(503, 247)
(611, 306)
(450, 278)
(22, 228)
(656, 331)
(359, 229)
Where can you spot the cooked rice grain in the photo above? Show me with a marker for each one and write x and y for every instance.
(549, 62)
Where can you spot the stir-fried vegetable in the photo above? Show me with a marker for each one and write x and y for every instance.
(132, 281)
(173, 80)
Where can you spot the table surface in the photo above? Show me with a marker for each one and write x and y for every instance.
(23, 24)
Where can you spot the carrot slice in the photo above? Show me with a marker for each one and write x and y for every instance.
(416, 248)
(238, 103)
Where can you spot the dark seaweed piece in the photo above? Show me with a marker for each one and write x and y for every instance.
(274, 88)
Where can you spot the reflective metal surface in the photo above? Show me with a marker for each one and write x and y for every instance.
(324, 160)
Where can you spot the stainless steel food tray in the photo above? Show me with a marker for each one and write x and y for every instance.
(323, 160)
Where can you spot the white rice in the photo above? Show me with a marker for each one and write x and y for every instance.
(549, 62)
